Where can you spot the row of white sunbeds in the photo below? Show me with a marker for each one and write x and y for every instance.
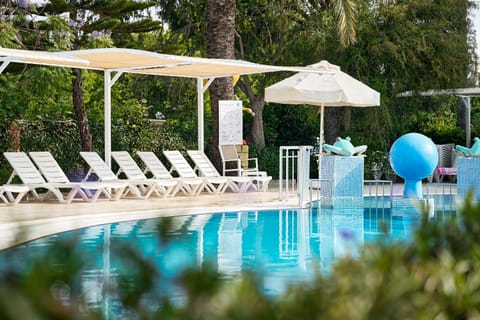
(44, 173)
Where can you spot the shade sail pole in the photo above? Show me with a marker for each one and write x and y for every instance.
(108, 117)
(201, 88)
(200, 113)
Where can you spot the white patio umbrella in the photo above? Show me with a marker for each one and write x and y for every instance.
(329, 88)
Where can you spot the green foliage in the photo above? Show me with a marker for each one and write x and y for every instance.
(7, 34)
(59, 137)
(268, 158)
(293, 125)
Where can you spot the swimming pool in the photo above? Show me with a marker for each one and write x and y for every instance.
(283, 246)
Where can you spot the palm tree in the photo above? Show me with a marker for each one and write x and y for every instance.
(220, 44)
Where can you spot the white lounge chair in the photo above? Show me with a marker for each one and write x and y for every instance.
(214, 185)
(206, 169)
(190, 186)
(7, 192)
(164, 187)
(53, 173)
(230, 158)
(30, 177)
(141, 189)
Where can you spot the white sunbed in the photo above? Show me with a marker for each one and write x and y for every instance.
(214, 185)
(30, 177)
(140, 188)
(7, 192)
(206, 169)
(53, 173)
(164, 187)
(190, 186)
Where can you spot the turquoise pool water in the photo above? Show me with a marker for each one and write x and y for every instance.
(284, 246)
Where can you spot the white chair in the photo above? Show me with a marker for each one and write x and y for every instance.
(30, 177)
(141, 189)
(190, 186)
(230, 158)
(182, 167)
(206, 169)
(53, 174)
(164, 187)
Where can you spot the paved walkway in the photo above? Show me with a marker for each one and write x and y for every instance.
(31, 220)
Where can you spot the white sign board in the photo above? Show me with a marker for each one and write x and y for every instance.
(230, 122)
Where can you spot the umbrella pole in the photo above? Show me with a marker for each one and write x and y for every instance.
(321, 143)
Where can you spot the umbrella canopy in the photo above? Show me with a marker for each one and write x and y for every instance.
(329, 87)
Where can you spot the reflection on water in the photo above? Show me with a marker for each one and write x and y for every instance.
(286, 246)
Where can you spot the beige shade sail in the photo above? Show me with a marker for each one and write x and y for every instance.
(116, 61)
(140, 61)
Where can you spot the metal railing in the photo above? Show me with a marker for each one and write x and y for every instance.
(294, 172)
(378, 192)
(444, 195)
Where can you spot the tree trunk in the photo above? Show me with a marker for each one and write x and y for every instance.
(257, 103)
(333, 124)
(78, 101)
(257, 125)
(80, 111)
(15, 130)
(220, 44)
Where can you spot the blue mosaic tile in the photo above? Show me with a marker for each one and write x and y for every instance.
(468, 177)
(345, 180)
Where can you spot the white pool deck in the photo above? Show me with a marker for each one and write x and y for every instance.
(30, 220)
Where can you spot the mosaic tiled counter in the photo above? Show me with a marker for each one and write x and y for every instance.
(345, 181)
(468, 177)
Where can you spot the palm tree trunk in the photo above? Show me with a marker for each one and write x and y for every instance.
(220, 44)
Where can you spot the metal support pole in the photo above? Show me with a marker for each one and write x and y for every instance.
(200, 113)
(108, 117)
(280, 165)
(320, 148)
(303, 168)
(468, 129)
(468, 120)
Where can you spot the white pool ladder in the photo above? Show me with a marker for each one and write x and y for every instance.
(294, 172)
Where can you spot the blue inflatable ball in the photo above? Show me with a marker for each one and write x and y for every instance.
(413, 156)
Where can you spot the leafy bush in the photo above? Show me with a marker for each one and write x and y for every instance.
(268, 158)
(61, 138)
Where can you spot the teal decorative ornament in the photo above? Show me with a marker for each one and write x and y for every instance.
(474, 151)
(344, 147)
